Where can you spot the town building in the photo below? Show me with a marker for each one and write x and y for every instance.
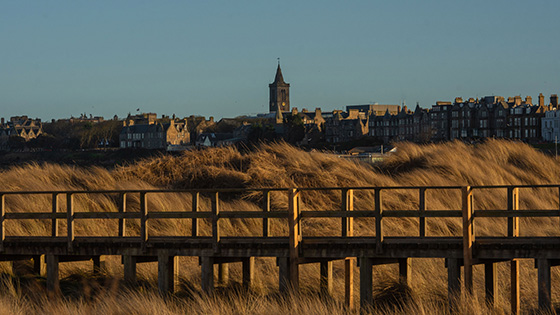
(146, 131)
(19, 126)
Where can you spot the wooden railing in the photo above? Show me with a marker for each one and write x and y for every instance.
(294, 212)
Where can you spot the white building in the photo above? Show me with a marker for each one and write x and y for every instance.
(551, 125)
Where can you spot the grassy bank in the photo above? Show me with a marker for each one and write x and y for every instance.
(280, 165)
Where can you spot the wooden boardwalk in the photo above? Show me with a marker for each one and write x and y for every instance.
(294, 248)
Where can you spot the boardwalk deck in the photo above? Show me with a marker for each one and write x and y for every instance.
(294, 248)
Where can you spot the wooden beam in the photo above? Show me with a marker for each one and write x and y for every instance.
(468, 237)
(167, 273)
(223, 274)
(491, 283)
(53, 281)
(266, 209)
(453, 279)
(207, 274)
(144, 220)
(39, 265)
(545, 300)
(347, 204)
(294, 237)
(513, 231)
(422, 209)
(70, 220)
(122, 209)
(366, 282)
(283, 273)
(378, 221)
(405, 270)
(248, 272)
(215, 222)
(195, 208)
(326, 278)
(349, 283)
(98, 265)
(129, 264)
(54, 210)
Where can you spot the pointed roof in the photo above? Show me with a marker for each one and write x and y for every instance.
(278, 79)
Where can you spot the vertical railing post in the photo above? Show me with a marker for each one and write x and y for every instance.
(54, 221)
(144, 219)
(215, 222)
(195, 206)
(347, 205)
(378, 221)
(266, 209)
(2, 217)
(513, 231)
(122, 210)
(70, 220)
(422, 210)
(295, 236)
(468, 236)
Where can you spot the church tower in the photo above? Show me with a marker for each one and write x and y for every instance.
(279, 93)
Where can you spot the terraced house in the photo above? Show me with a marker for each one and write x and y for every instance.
(146, 131)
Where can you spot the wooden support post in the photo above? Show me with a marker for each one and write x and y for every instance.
(545, 301)
(422, 210)
(53, 282)
(195, 206)
(491, 283)
(54, 221)
(468, 237)
(405, 270)
(326, 280)
(513, 231)
(347, 205)
(122, 210)
(295, 237)
(378, 221)
(349, 283)
(70, 220)
(248, 272)
(39, 265)
(207, 274)
(366, 282)
(514, 281)
(98, 265)
(167, 273)
(223, 274)
(453, 279)
(2, 217)
(283, 274)
(144, 219)
(215, 222)
(266, 209)
(129, 263)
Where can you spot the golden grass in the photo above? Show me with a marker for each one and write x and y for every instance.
(280, 165)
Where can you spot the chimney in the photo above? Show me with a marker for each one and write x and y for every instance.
(517, 100)
(528, 100)
(541, 99)
(554, 100)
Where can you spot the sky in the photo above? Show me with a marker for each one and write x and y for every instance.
(216, 58)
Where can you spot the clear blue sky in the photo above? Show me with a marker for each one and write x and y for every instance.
(216, 58)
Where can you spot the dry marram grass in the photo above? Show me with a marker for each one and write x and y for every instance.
(280, 165)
